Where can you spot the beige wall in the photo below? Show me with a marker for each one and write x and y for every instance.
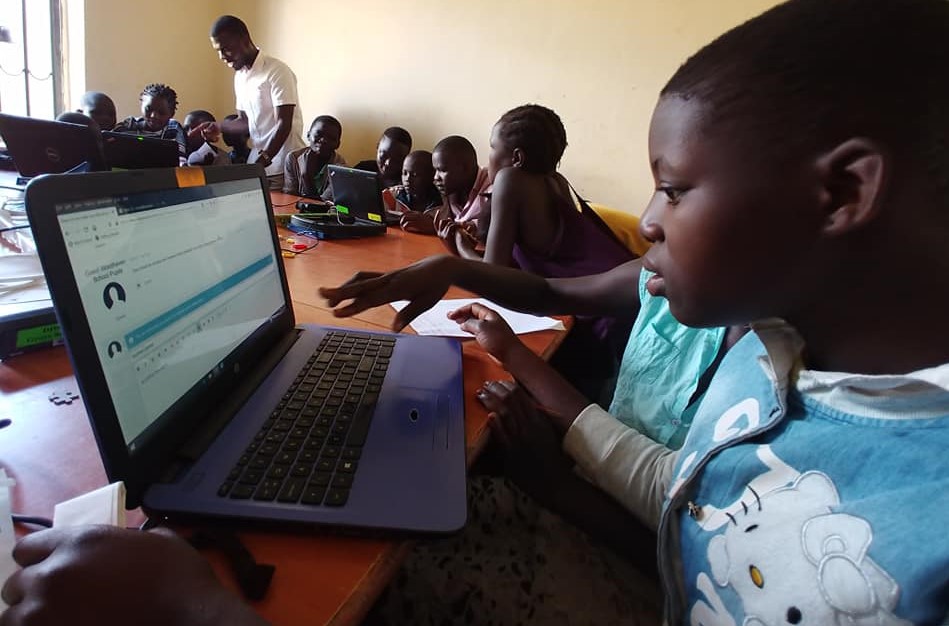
(125, 50)
(439, 67)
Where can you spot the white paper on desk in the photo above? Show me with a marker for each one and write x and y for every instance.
(22, 279)
(435, 320)
(7, 536)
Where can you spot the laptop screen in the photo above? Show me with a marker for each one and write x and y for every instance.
(171, 283)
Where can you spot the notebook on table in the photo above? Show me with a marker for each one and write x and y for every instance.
(127, 151)
(48, 147)
(204, 395)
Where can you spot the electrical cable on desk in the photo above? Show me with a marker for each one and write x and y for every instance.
(283, 204)
(9, 228)
(45, 522)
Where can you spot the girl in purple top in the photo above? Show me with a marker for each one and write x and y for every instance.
(535, 225)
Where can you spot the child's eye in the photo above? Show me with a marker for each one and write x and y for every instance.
(673, 194)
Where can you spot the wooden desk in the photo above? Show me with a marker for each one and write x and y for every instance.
(321, 577)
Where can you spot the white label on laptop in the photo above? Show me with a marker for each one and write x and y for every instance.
(435, 321)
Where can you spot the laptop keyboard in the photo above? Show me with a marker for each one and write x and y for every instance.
(308, 450)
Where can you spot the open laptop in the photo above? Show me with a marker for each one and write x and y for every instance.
(48, 147)
(357, 195)
(205, 397)
(127, 151)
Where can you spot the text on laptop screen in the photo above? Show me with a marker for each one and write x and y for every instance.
(171, 283)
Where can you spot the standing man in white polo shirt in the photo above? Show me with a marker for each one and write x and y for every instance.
(267, 104)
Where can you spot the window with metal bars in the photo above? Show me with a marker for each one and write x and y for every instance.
(31, 61)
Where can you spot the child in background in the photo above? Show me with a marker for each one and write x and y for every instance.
(535, 225)
(200, 151)
(463, 186)
(800, 494)
(99, 107)
(159, 103)
(305, 172)
(417, 193)
(237, 142)
(394, 144)
(75, 117)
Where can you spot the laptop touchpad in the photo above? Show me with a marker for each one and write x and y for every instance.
(419, 416)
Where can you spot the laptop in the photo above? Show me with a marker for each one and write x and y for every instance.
(48, 147)
(357, 195)
(204, 395)
(128, 151)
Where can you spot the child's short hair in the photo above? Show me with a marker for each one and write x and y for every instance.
(457, 145)
(398, 135)
(538, 132)
(809, 73)
(160, 90)
(420, 155)
(201, 115)
(327, 120)
(229, 24)
(91, 98)
(75, 117)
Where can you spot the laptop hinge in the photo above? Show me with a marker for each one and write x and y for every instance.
(214, 423)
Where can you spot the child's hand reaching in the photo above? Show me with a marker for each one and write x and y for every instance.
(415, 222)
(529, 444)
(209, 131)
(489, 329)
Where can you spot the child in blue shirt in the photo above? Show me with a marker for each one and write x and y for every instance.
(811, 485)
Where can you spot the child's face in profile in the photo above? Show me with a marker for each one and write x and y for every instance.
(324, 138)
(417, 174)
(730, 229)
(452, 174)
(156, 111)
(390, 155)
(501, 155)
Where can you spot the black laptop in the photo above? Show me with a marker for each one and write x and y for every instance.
(128, 151)
(48, 147)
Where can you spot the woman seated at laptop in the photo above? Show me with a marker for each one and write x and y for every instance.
(305, 172)
(159, 103)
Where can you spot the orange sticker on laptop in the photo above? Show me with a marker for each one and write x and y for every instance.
(190, 176)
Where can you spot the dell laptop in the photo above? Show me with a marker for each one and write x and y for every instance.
(205, 396)
(127, 151)
(48, 147)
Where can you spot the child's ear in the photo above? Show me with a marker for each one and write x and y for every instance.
(518, 158)
(854, 176)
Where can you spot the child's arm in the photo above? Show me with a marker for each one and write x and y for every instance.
(533, 458)
(415, 222)
(424, 283)
(556, 395)
(291, 176)
(506, 198)
(466, 244)
(629, 466)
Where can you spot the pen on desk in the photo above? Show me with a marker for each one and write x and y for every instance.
(9, 228)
